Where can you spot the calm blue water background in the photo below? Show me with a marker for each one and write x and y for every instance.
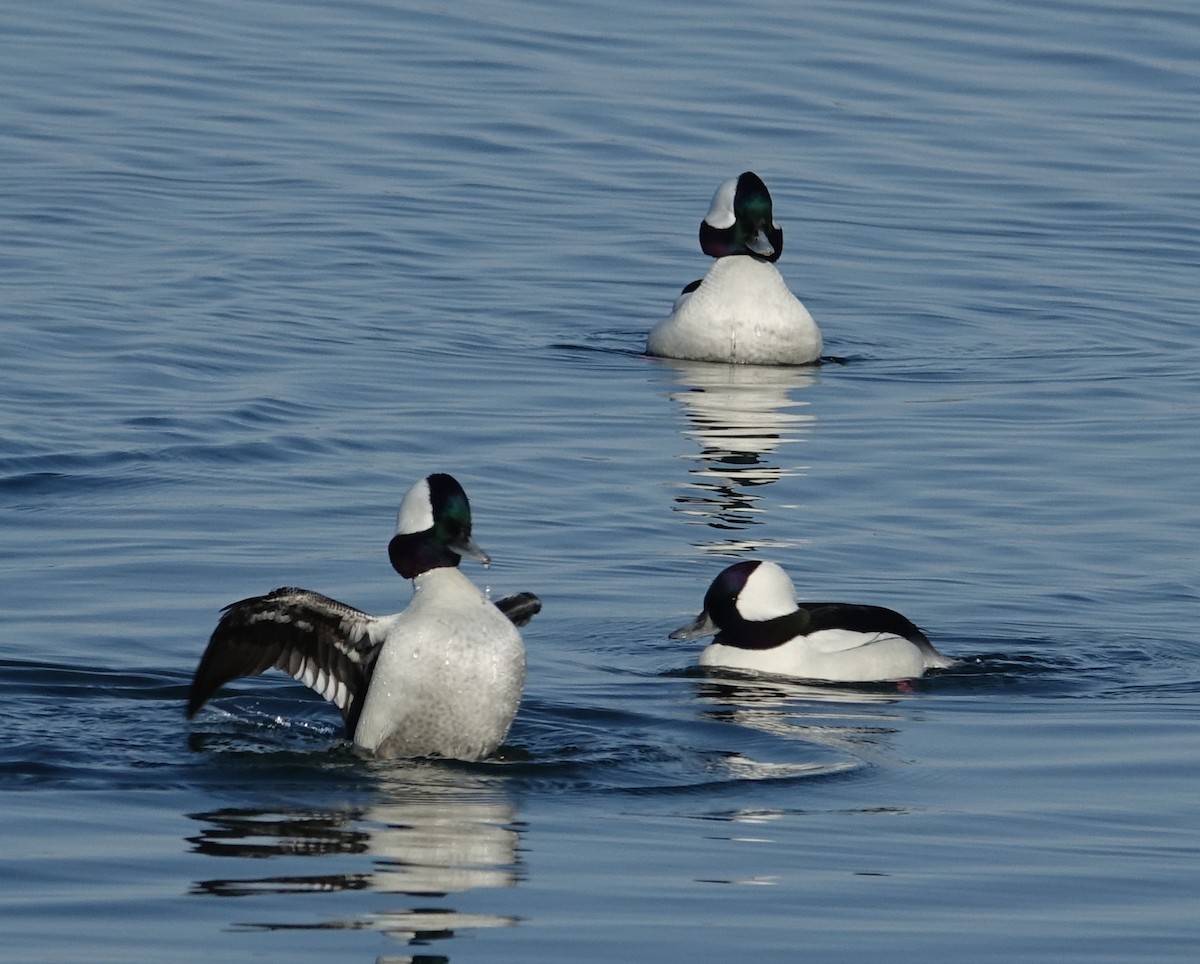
(264, 264)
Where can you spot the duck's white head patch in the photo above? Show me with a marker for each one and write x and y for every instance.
(416, 510)
(768, 593)
(721, 215)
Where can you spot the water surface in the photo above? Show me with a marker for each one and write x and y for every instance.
(266, 264)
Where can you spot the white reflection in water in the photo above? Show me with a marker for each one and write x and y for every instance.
(742, 416)
(447, 843)
(422, 838)
(857, 724)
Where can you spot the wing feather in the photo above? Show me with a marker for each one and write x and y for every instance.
(322, 643)
(864, 619)
(520, 608)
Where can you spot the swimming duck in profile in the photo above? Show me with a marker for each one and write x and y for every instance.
(442, 678)
(752, 608)
(741, 311)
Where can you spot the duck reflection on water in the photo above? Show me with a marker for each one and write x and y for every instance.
(427, 840)
(742, 416)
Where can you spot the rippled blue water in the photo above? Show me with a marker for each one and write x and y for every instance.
(264, 264)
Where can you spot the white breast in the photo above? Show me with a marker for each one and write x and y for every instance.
(448, 679)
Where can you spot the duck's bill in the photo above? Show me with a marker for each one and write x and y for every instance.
(466, 547)
(702, 625)
(761, 245)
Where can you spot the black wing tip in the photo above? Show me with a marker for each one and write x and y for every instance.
(520, 608)
(203, 688)
(196, 700)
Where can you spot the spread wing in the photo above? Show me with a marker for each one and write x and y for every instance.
(520, 608)
(322, 643)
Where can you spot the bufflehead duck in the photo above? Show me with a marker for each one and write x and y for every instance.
(742, 310)
(442, 678)
(752, 608)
